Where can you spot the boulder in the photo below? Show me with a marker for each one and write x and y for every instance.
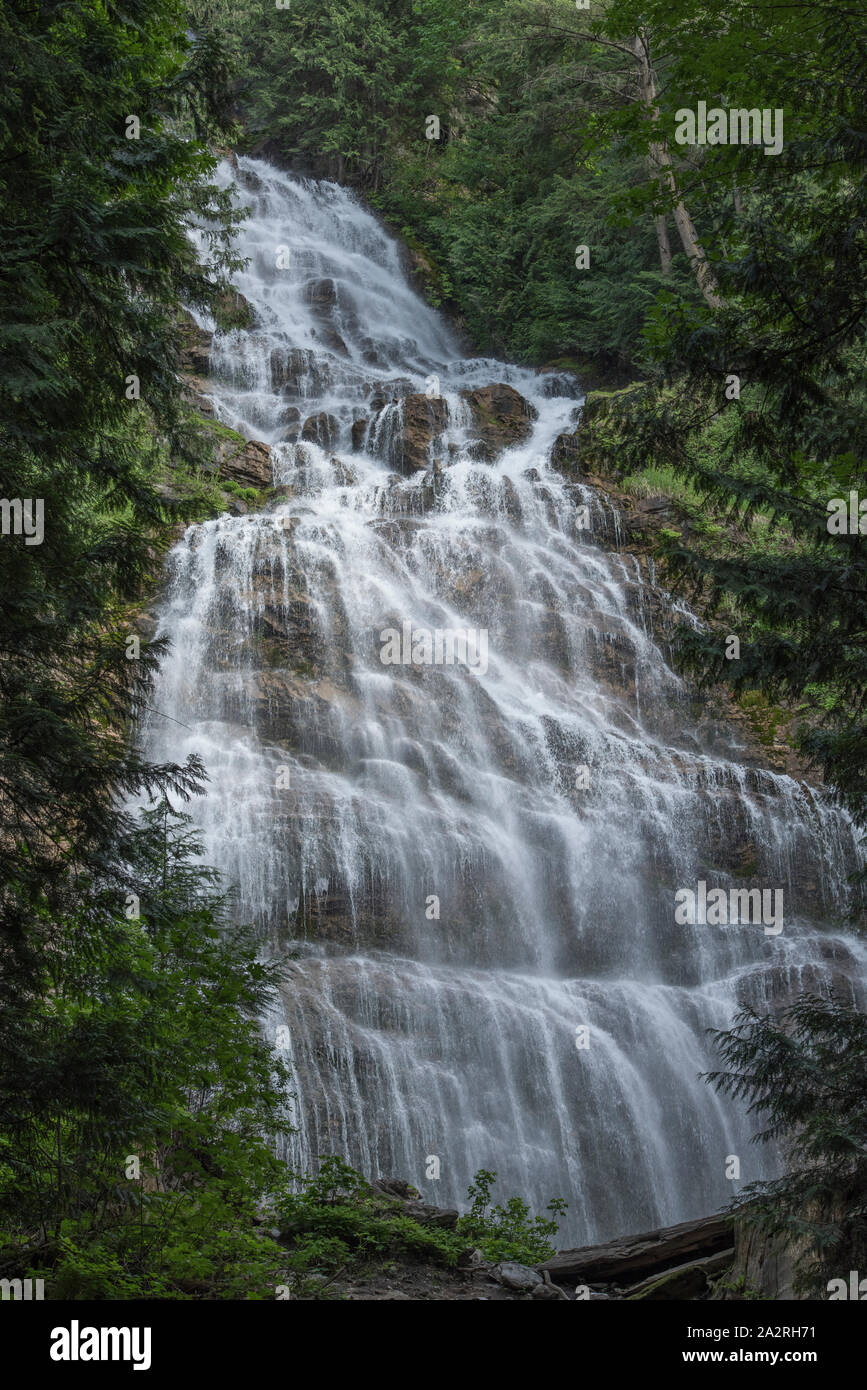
(444, 1218)
(321, 294)
(501, 416)
(396, 1187)
(515, 1276)
(322, 429)
(250, 466)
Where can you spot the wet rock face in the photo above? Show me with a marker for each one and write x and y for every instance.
(234, 311)
(502, 417)
(322, 429)
(196, 348)
(566, 455)
(250, 465)
(321, 294)
(291, 425)
(423, 420)
(323, 297)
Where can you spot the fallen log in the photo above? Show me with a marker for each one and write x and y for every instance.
(632, 1258)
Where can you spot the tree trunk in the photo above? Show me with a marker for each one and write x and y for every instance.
(663, 242)
(661, 160)
(631, 1258)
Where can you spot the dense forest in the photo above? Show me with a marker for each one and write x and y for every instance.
(713, 299)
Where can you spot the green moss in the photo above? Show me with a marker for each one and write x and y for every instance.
(216, 427)
(248, 494)
(766, 719)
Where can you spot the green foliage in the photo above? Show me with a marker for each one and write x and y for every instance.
(337, 84)
(508, 1232)
(248, 494)
(97, 259)
(738, 1289)
(805, 1074)
(786, 243)
(335, 1222)
(146, 1045)
(518, 177)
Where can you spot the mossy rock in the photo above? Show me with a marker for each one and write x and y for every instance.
(234, 311)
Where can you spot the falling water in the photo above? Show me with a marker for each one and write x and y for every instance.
(457, 897)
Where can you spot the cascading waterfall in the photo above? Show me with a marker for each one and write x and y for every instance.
(459, 898)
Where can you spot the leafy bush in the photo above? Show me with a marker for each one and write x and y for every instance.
(508, 1232)
(337, 1221)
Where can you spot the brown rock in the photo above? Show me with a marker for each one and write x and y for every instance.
(422, 420)
(195, 347)
(332, 340)
(322, 294)
(501, 416)
(250, 466)
(292, 425)
(321, 429)
(295, 369)
(195, 391)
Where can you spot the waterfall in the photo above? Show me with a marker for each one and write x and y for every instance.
(469, 866)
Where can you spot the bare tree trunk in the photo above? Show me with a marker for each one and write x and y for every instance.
(661, 159)
(663, 242)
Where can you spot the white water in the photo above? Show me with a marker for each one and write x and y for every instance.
(411, 1037)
